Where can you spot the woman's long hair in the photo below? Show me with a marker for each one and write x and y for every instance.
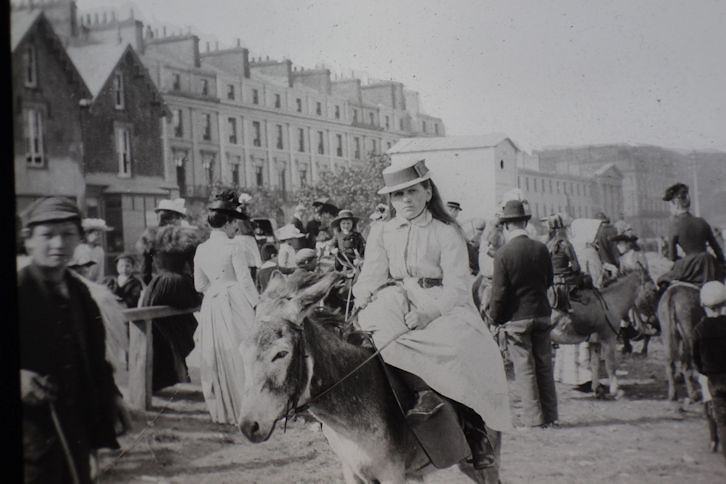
(436, 207)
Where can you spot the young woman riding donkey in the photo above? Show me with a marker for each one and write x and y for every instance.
(424, 324)
(679, 308)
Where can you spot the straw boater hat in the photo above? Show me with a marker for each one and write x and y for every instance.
(176, 205)
(403, 175)
(288, 232)
(90, 224)
(343, 215)
(713, 294)
(513, 211)
(454, 205)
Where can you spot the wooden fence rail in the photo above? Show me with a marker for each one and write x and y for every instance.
(141, 350)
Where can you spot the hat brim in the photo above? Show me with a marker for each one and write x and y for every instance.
(157, 210)
(336, 222)
(401, 186)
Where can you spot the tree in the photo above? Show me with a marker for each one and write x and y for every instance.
(354, 187)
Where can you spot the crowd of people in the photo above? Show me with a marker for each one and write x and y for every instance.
(434, 336)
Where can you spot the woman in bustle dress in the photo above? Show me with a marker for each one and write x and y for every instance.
(221, 273)
(168, 251)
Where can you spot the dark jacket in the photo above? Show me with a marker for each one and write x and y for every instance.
(348, 245)
(82, 330)
(606, 248)
(522, 274)
(312, 229)
(693, 234)
(129, 293)
(709, 346)
(564, 259)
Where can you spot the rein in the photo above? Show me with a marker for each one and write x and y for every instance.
(292, 407)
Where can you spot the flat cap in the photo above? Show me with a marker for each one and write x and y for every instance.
(51, 209)
(713, 294)
(675, 191)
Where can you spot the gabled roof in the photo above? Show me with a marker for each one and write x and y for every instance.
(445, 143)
(20, 23)
(96, 63)
(609, 167)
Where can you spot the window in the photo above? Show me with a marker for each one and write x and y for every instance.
(178, 123)
(279, 137)
(232, 129)
(400, 124)
(436, 128)
(388, 122)
(205, 87)
(577, 189)
(423, 126)
(339, 145)
(519, 181)
(303, 177)
(558, 187)
(235, 174)
(257, 140)
(123, 151)
(118, 90)
(31, 67)
(176, 81)
(374, 147)
(230, 91)
(321, 144)
(535, 184)
(255, 96)
(526, 183)
(318, 108)
(337, 112)
(550, 186)
(259, 176)
(278, 101)
(298, 102)
(388, 145)
(356, 144)
(355, 115)
(282, 182)
(34, 138)
(208, 165)
(372, 118)
(207, 130)
(301, 140)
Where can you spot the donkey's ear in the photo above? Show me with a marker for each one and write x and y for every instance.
(276, 283)
(318, 290)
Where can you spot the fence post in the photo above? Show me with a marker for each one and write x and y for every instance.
(141, 357)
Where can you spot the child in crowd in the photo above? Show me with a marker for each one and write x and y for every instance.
(348, 244)
(125, 286)
(709, 341)
(286, 254)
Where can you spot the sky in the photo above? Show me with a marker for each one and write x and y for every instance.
(545, 72)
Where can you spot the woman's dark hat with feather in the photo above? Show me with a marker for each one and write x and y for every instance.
(677, 191)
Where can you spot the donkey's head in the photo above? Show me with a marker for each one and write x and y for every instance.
(277, 370)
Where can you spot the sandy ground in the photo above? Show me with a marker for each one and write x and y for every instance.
(640, 438)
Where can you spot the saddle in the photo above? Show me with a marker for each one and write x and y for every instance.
(441, 436)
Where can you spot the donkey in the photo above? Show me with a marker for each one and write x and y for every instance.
(601, 316)
(679, 310)
(299, 358)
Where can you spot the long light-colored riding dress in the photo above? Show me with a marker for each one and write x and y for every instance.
(227, 316)
(455, 354)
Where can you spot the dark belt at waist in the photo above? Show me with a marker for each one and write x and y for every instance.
(427, 282)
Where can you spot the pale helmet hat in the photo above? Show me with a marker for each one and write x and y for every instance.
(289, 231)
(403, 175)
(244, 198)
(176, 205)
(89, 224)
(713, 294)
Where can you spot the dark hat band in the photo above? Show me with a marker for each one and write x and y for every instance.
(405, 175)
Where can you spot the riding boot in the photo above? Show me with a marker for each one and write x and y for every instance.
(482, 451)
(428, 402)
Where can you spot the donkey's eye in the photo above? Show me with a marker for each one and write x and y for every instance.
(279, 355)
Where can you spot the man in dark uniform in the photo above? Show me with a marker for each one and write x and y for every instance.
(522, 273)
(605, 247)
(71, 405)
(694, 236)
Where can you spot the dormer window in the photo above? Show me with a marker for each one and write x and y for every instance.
(255, 96)
(34, 153)
(118, 90)
(278, 101)
(31, 67)
(337, 112)
(298, 101)
(123, 151)
(318, 108)
(205, 87)
(176, 81)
